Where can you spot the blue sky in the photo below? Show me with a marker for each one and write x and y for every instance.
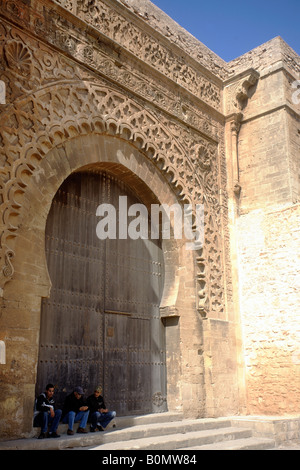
(231, 28)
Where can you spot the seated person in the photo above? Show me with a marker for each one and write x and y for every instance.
(100, 417)
(74, 410)
(45, 414)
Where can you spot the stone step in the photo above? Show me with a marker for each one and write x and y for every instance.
(125, 422)
(66, 441)
(128, 428)
(165, 431)
(250, 443)
(149, 430)
(155, 418)
(178, 440)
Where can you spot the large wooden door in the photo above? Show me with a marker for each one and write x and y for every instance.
(101, 324)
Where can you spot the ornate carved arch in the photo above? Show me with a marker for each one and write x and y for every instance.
(56, 114)
(51, 99)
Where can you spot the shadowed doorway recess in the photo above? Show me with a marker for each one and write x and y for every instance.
(101, 323)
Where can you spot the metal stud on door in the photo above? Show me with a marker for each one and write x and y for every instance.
(101, 324)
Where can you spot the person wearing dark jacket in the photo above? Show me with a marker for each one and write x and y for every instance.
(74, 410)
(99, 415)
(46, 414)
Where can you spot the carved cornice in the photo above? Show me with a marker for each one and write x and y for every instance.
(91, 27)
(51, 99)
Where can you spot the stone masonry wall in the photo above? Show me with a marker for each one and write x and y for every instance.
(294, 143)
(263, 162)
(268, 232)
(269, 292)
(86, 80)
(79, 76)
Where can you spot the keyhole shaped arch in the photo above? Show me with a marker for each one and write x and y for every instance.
(103, 153)
(131, 165)
(107, 112)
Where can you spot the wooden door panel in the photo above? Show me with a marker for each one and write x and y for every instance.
(101, 324)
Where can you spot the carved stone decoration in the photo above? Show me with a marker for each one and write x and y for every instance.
(18, 57)
(109, 21)
(235, 125)
(202, 298)
(237, 94)
(58, 100)
(237, 91)
(7, 269)
(89, 52)
(63, 113)
(204, 159)
(158, 399)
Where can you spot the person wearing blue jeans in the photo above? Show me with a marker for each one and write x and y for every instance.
(46, 414)
(100, 417)
(75, 410)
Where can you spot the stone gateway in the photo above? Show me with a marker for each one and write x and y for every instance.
(107, 99)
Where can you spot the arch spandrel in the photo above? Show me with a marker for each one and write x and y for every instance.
(56, 115)
(118, 158)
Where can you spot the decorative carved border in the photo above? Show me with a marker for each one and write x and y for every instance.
(51, 100)
(55, 114)
(86, 44)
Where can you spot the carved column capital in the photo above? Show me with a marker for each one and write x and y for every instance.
(235, 122)
(236, 95)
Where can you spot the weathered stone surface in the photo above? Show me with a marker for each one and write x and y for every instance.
(118, 85)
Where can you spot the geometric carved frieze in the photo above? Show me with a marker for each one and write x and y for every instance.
(109, 21)
(55, 114)
(61, 29)
(22, 54)
(50, 100)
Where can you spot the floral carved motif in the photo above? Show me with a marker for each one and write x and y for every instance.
(18, 57)
(143, 45)
(57, 102)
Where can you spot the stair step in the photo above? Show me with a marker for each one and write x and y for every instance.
(154, 418)
(167, 428)
(128, 428)
(178, 440)
(250, 443)
(165, 431)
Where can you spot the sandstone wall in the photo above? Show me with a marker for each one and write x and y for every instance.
(85, 80)
(99, 83)
(268, 232)
(269, 291)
